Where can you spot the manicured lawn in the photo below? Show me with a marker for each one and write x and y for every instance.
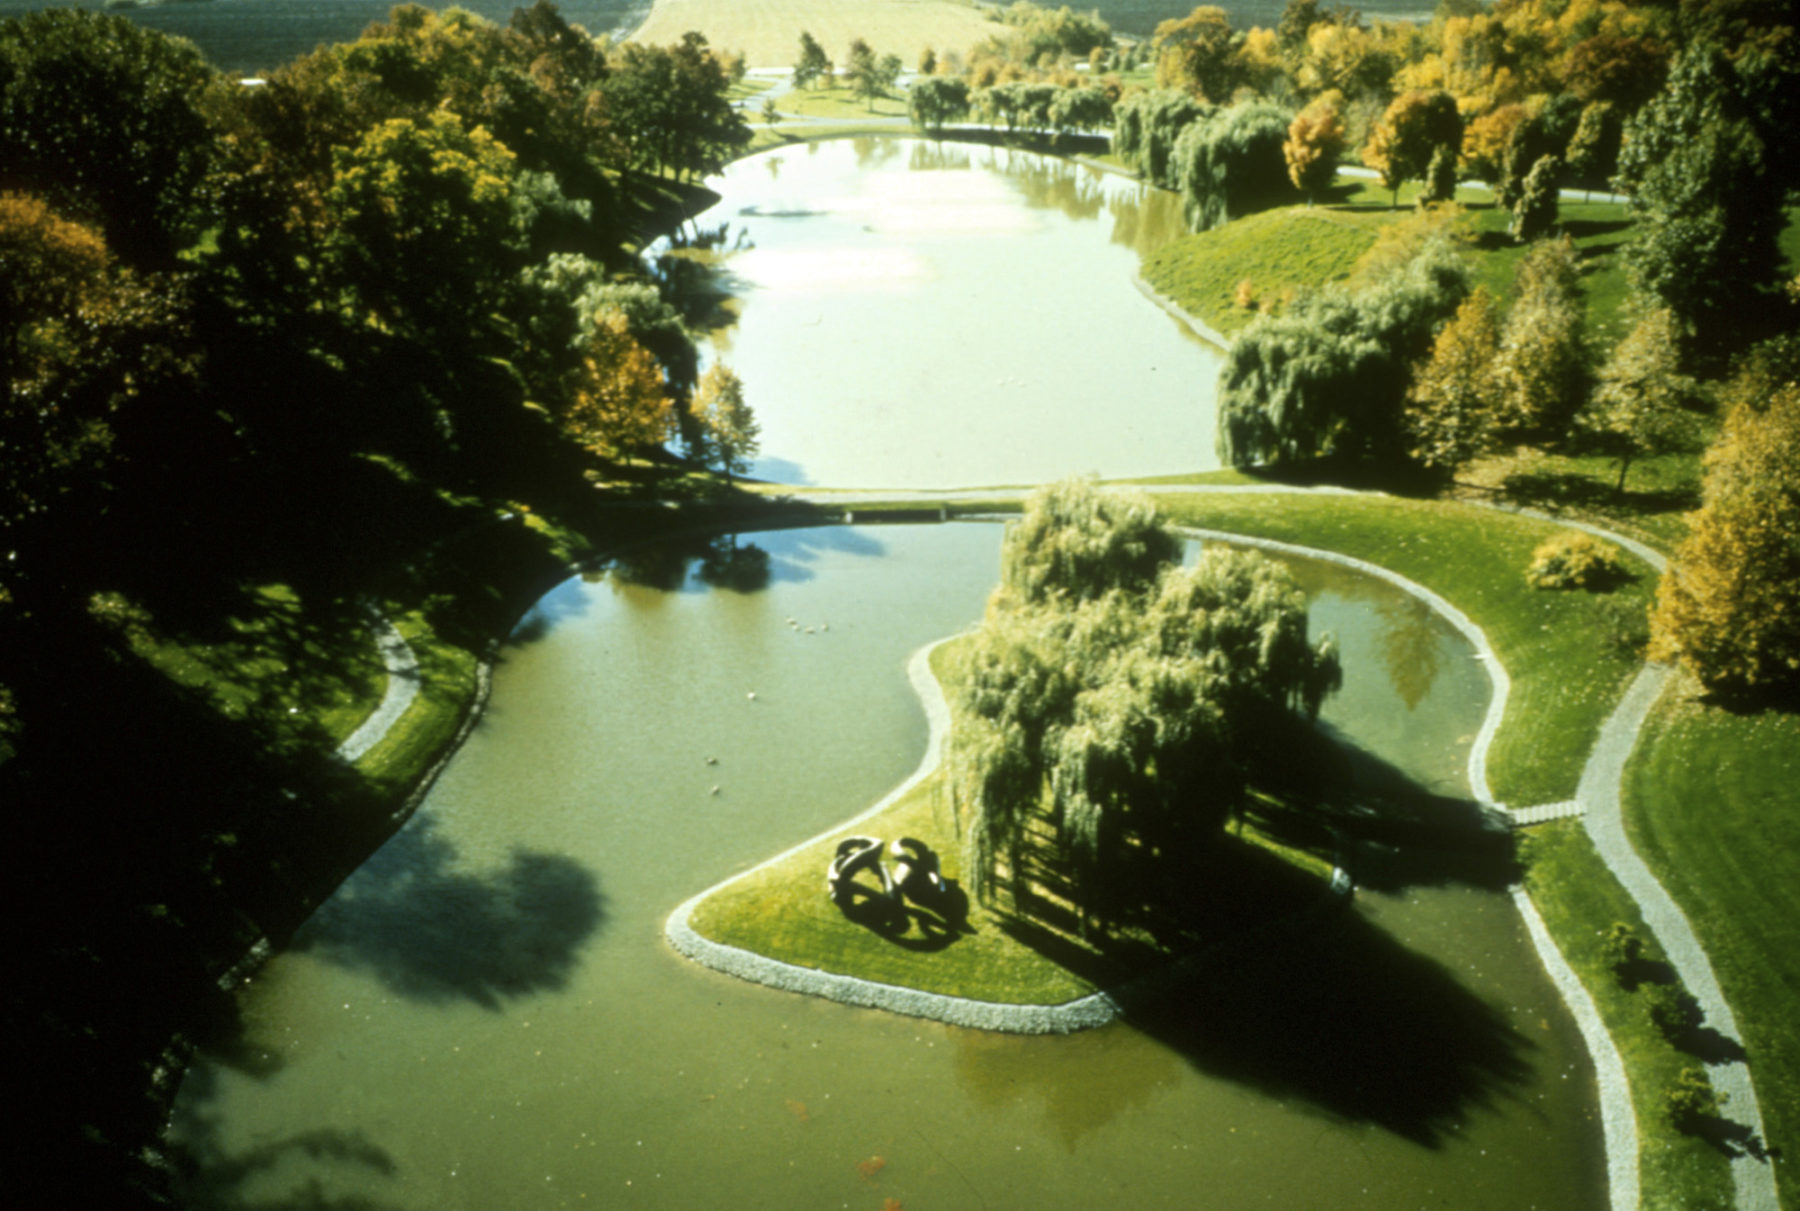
(1276, 252)
(782, 911)
(1579, 899)
(303, 671)
(1711, 804)
(1660, 491)
(1300, 247)
(843, 105)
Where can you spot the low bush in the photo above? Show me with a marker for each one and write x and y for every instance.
(1673, 1010)
(1623, 947)
(1693, 1101)
(1575, 561)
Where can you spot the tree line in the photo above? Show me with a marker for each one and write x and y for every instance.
(261, 346)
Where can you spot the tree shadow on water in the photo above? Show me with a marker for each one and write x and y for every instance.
(1345, 1019)
(436, 933)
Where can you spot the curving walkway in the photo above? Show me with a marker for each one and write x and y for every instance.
(402, 687)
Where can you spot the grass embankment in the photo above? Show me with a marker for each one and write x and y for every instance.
(1277, 252)
(780, 910)
(1293, 248)
(1579, 900)
(768, 31)
(1710, 804)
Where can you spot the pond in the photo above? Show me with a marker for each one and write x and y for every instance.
(936, 315)
(486, 1014)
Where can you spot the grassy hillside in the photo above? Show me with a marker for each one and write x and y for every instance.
(768, 31)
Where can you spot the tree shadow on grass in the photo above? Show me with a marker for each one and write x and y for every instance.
(1554, 490)
(435, 933)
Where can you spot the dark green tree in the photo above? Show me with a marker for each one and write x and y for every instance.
(935, 100)
(1409, 134)
(1701, 172)
(105, 120)
(813, 65)
(1329, 376)
(1231, 163)
(1534, 212)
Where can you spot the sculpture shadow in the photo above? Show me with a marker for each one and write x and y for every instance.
(1345, 1019)
(929, 924)
(435, 934)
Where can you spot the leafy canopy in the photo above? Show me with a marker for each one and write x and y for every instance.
(1114, 698)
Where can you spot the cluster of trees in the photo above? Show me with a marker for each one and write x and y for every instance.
(1117, 704)
(1328, 377)
(290, 335)
(1727, 607)
(411, 244)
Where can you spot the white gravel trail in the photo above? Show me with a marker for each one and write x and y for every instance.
(402, 687)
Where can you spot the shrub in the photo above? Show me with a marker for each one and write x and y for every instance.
(1623, 947)
(1575, 561)
(1673, 1010)
(1693, 1100)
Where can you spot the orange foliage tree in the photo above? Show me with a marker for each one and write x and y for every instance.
(616, 403)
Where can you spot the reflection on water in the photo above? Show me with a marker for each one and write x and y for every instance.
(486, 1015)
(916, 314)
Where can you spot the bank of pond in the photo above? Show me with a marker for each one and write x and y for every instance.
(487, 1012)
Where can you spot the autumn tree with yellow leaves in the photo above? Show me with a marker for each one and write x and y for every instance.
(1315, 139)
(1642, 404)
(617, 404)
(1450, 409)
(1729, 606)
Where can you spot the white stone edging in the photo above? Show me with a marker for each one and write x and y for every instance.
(1096, 1009)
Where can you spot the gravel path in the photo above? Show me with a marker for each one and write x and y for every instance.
(402, 687)
(1751, 1171)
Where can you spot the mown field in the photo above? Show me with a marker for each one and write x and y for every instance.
(768, 31)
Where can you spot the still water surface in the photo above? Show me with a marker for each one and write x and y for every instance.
(917, 314)
(485, 1015)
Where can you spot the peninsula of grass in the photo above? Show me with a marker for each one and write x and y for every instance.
(1709, 804)
(843, 105)
(1579, 899)
(781, 911)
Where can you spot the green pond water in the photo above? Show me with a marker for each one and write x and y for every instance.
(915, 314)
(486, 1014)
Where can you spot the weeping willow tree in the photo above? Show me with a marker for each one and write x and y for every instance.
(1109, 714)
